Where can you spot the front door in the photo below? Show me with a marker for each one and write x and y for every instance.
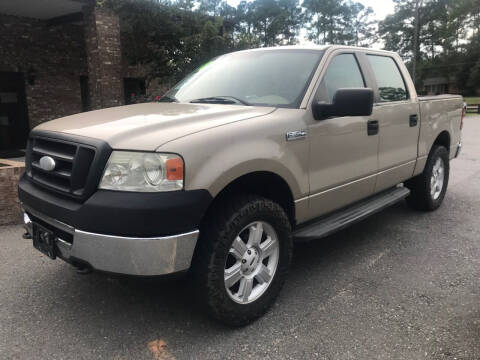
(13, 113)
(343, 156)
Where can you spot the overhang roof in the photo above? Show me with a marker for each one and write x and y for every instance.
(40, 9)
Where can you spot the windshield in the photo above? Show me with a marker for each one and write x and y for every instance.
(262, 77)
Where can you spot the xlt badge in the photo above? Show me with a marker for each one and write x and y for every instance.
(296, 135)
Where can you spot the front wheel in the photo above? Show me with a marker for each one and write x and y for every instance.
(428, 189)
(243, 257)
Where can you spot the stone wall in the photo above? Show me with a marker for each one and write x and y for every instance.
(102, 36)
(58, 56)
(10, 212)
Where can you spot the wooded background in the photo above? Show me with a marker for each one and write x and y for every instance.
(172, 37)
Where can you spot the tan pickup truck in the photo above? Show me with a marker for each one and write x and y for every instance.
(251, 152)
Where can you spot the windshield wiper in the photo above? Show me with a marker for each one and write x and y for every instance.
(221, 100)
(168, 98)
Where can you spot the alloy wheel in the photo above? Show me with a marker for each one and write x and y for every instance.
(437, 179)
(251, 262)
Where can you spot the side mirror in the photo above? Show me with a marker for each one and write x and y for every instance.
(346, 102)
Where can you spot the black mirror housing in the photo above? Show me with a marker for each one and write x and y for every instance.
(346, 102)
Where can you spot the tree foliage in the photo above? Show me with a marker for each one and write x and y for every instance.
(339, 22)
(172, 37)
(448, 44)
(170, 40)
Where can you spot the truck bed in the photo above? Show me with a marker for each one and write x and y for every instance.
(439, 112)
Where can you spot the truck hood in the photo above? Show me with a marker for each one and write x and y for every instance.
(148, 126)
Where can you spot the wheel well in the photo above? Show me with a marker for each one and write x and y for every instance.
(443, 139)
(262, 183)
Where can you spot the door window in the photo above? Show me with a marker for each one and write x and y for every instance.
(389, 79)
(342, 72)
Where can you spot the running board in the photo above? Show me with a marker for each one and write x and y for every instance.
(350, 215)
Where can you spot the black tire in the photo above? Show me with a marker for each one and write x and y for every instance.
(223, 225)
(420, 197)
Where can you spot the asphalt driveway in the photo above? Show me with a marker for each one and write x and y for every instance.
(400, 285)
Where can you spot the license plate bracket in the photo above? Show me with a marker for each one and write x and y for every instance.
(44, 240)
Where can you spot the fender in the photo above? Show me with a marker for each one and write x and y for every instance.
(215, 158)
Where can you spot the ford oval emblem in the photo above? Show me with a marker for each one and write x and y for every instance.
(47, 163)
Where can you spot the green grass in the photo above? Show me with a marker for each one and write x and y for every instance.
(472, 100)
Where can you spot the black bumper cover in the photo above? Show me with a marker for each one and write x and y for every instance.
(133, 214)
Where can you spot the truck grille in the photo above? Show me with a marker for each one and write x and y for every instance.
(78, 166)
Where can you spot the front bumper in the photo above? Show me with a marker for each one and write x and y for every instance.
(145, 256)
(122, 213)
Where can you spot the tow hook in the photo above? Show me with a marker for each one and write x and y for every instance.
(27, 235)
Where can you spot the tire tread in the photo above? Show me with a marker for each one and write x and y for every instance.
(214, 237)
(419, 186)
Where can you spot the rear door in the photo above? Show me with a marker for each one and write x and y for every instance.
(399, 120)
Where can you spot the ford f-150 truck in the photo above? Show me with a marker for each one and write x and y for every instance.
(253, 151)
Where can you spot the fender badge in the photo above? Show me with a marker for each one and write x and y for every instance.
(296, 135)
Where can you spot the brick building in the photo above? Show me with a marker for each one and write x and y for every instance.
(57, 57)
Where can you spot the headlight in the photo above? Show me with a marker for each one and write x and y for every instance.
(142, 171)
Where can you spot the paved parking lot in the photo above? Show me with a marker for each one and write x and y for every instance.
(400, 285)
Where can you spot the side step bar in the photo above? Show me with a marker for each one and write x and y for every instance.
(350, 215)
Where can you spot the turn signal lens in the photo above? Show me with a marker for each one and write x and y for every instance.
(174, 169)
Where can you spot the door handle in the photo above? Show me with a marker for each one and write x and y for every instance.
(372, 127)
(413, 120)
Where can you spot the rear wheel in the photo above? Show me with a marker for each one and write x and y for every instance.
(428, 189)
(243, 257)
